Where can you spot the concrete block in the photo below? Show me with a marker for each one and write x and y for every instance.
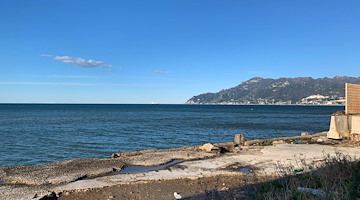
(239, 139)
(207, 147)
(355, 124)
(343, 125)
(339, 127)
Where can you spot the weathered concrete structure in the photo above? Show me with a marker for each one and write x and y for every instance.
(355, 128)
(347, 125)
(239, 139)
(339, 127)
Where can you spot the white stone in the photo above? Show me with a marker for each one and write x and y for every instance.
(304, 134)
(207, 147)
(278, 142)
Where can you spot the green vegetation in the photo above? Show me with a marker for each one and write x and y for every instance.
(335, 178)
(332, 178)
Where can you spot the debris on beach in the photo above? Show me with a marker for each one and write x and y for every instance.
(177, 195)
(315, 191)
(298, 170)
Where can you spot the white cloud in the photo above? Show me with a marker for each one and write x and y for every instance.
(46, 55)
(78, 61)
(160, 72)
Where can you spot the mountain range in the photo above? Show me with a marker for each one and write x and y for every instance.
(282, 91)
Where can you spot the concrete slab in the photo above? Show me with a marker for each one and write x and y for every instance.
(259, 159)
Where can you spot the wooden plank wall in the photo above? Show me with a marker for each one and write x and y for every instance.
(352, 95)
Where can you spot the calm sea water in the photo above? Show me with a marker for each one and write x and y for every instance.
(38, 134)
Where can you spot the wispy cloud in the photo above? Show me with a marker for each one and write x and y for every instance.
(90, 63)
(76, 77)
(69, 84)
(46, 83)
(160, 72)
(46, 55)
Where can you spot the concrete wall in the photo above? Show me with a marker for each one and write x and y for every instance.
(344, 126)
(352, 95)
(339, 127)
(355, 121)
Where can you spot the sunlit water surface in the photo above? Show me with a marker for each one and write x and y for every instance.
(38, 134)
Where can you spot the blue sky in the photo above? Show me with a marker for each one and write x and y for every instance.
(133, 51)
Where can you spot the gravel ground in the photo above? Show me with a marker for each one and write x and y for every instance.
(202, 175)
(216, 187)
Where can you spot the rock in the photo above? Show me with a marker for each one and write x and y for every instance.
(355, 137)
(117, 155)
(322, 139)
(319, 140)
(304, 134)
(239, 139)
(220, 150)
(278, 142)
(229, 146)
(237, 148)
(339, 113)
(244, 147)
(207, 147)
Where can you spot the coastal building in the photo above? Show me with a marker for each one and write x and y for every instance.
(347, 124)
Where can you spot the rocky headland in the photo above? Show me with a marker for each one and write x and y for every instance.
(282, 91)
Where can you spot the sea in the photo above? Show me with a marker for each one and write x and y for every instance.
(35, 134)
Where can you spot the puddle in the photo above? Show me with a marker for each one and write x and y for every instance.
(140, 169)
(182, 167)
(2, 182)
(238, 167)
(245, 170)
